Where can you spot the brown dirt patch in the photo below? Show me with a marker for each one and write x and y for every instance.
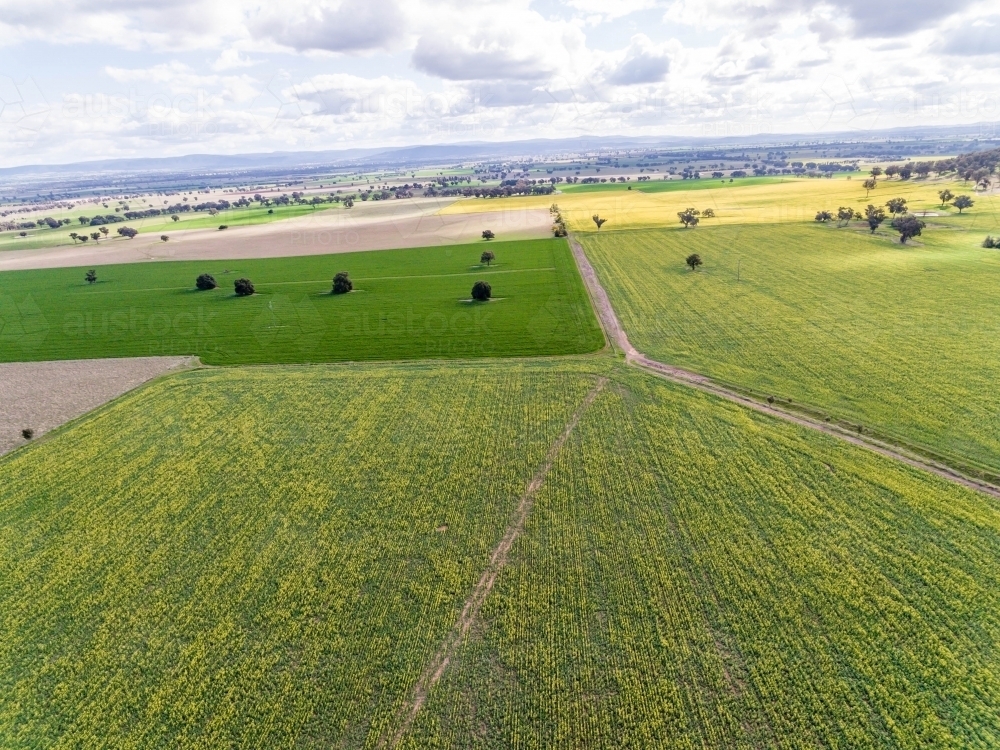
(44, 395)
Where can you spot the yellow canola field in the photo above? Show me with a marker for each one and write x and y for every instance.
(789, 200)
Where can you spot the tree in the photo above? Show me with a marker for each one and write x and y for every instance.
(875, 216)
(963, 202)
(95, 236)
(342, 283)
(205, 282)
(348, 203)
(481, 291)
(689, 217)
(693, 260)
(896, 206)
(908, 226)
(175, 217)
(869, 185)
(83, 237)
(823, 216)
(243, 287)
(844, 214)
(487, 257)
(75, 236)
(599, 221)
(984, 183)
(876, 172)
(164, 238)
(945, 196)
(708, 213)
(91, 276)
(989, 242)
(223, 226)
(891, 171)
(104, 231)
(127, 232)
(488, 234)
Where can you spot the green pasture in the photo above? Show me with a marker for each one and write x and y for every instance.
(407, 304)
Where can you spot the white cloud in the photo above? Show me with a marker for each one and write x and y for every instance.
(340, 27)
(644, 62)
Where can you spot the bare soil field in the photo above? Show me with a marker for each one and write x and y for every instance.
(43, 395)
(370, 226)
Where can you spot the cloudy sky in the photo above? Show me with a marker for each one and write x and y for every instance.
(90, 79)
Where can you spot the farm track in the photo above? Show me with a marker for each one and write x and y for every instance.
(619, 340)
(436, 668)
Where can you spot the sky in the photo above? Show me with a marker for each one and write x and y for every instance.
(95, 79)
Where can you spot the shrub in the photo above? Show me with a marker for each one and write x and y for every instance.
(205, 282)
(243, 287)
(481, 291)
(990, 242)
(223, 226)
(488, 234)
(164, 238)
(127, 232)
(342, 283)
(708, 213)
(27, 433)
(91, 276)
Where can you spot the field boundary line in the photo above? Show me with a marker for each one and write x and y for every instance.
(436, 668)
(615, 332)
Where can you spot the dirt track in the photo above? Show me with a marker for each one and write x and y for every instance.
(43, 395)
(437, 666)
(370, 226)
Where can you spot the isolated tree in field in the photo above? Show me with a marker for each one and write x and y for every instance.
(876, 172)
(844, 215)
(823, 216)
(342, 283)
(243, 287)
(599, 221)
(481, 291)
(91, 276)
(689, 217)
(175, 217)
(875, 215)
(869, 185)
(487, 257)
(945, 196)
(74, 236)
(95, 236)
(488, 234)
(164, 238)
(963, 202)
(127, 232)
(205, 282)
(908, 226)
(896, 206)
(693, 260)
(104, 231)
(989, 242)
(708, 213)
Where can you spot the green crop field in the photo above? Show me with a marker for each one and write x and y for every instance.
(269, 557)
(901, 339)
(236, 217)
(407, 304)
